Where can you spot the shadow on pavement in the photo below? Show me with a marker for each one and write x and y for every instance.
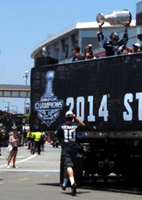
(66, 193)
(50, 184)
(114, 187)
(109, 187)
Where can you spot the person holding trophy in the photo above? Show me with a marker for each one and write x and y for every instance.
(114, 46)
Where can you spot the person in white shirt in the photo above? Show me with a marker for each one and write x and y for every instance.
(13, 141)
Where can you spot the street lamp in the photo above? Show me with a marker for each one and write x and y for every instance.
(26, 76)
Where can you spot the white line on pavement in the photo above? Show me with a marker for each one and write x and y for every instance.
(17, 157)
(29, 170)
(27, 159)
(21, 160)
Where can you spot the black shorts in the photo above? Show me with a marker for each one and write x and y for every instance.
(14, 149)
(69, 159)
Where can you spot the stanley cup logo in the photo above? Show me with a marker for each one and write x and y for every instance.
(49, 85)
(49, 106)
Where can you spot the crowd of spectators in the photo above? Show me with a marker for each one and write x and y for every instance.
(112, 45)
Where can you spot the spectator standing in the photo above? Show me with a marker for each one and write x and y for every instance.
(32, 141)
(37, 142)
(13, 141)
(19, 135)
(24, 137)
(67, 134)
(28, 139)
(43, 139)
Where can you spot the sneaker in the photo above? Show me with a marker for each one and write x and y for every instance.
(63, 187)
(73, 189)
(8, 166)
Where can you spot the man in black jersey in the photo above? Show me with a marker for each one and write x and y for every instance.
(113, 46)
(67, 134)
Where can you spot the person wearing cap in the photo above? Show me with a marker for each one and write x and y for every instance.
(136, 47)
(13, 141)
(88, 53)
(76, 54)
(67, 135)
(113, 46)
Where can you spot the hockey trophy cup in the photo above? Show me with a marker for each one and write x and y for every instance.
(115, 18)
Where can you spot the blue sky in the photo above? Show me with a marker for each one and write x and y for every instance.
(26, 23)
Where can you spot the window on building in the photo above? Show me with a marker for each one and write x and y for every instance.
(65, 47)
(57, 53)
(90, 40)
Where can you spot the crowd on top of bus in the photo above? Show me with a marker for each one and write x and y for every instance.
(112, 45)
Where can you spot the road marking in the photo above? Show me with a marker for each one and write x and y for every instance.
(29, 170)
(20, 160)
(18, 157)
(46, 175)
(24, 179)
(26, 159)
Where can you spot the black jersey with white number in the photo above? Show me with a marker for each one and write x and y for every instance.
(67, 134)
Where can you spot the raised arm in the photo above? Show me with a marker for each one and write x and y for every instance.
(78, 120)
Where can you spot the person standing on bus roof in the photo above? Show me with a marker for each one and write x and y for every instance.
(76, 54)
(113, 46)
(136, 47)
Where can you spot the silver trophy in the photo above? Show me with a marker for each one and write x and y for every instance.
(115, 18)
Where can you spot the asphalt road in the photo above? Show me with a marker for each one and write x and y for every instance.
(37, 177)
